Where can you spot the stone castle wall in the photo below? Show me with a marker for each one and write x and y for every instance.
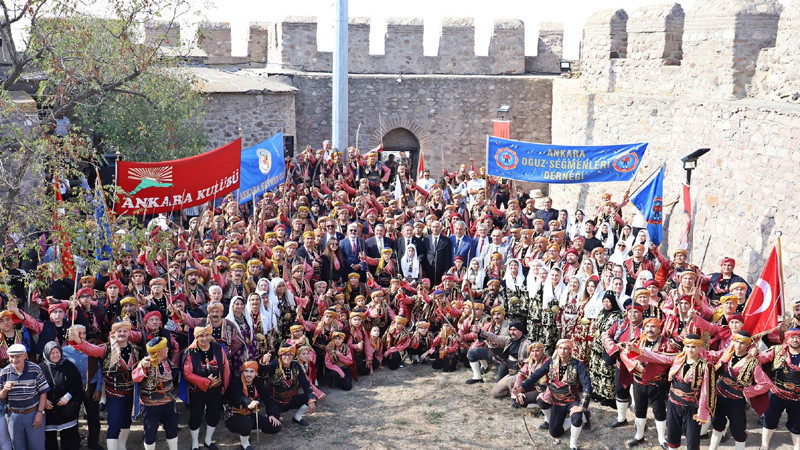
(260, 117)
(721, 75)
(292, 44)
(450, 115)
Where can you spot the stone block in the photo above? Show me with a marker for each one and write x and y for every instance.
(258, 41)
(549, 49)
(457, 47)
(403, 46)
(507, 47)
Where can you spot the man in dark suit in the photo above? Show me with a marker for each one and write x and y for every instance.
(331, 232)
(352, 247)
(439, 253)
(461, 243)
(378, 242)
(407, 237)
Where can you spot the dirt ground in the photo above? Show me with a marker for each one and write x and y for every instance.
(418, 407)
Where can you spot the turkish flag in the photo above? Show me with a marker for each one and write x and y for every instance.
(764, 308)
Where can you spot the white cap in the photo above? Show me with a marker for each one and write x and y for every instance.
(17, 349)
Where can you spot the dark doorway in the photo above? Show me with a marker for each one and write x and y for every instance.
(399, 141)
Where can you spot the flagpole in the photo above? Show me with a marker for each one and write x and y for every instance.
(780, 272)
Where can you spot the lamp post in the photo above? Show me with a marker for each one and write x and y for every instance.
(690, 162)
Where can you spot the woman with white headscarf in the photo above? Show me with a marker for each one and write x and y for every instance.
(409, 264)
(533, 274)
(620, 253)
(552, 289)
(644, 277)
(515, 297)
(263, 323)
(606, 236)
(281, 299)
(568, 307)
(575, 227)
(643, 237)
(475, 276)
(238, 315)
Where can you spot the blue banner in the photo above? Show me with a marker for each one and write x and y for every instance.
(263, 168)
(103, 236)
(648, 200)
(562, 164)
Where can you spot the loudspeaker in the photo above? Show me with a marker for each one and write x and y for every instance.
(107, 171)
(288, 146)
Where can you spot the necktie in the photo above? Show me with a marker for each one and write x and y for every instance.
(353, 243)
(435, 240)
(480, 247)
(458, 244)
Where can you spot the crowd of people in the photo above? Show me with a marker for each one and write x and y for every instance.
(248, 311)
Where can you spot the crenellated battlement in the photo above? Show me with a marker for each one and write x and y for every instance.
(722, 49)
(292, 44)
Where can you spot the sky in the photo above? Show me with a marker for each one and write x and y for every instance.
(573, 13)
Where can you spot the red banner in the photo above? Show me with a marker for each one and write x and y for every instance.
(153, 188)
(502, 128)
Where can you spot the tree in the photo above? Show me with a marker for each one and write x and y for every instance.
(99, 71)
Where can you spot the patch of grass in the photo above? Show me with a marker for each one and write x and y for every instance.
(401, 422)
(434, 416)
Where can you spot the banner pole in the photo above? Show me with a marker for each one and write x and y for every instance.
(635, 191)
(780, 272)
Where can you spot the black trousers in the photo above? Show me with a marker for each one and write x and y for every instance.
(92, 416)
(623, 393)
(655, 396)
(243, 425)
(393, 361)
(483, 353)
(295, 403)
(69, 439)
(164, 415)
(732, 409)
(558, 414)
(344, 383)
(680, 422)
(447, 364)
(208, 404)
(361, 364)
(776, 407)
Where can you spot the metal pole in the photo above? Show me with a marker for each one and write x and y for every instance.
(340, 53)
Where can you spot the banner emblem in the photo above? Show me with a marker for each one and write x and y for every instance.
(264, 160)
(150, 177)
(656, 213)
(626, 162)
(506, 158)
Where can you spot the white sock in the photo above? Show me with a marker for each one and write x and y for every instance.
(716, 438)
(300, 411)
(476, 370)
(661, 428)
(766, 436)
(245, 440)
(209, 434)
(622, 407)
(150, 446)
(123, 439)
(547, 414)
(740, 445)
(567, 423)
(795, 441)
(484, 364)
(172, 444)
(704, 428)
(640, 423)
(111, 444)
(574, 432)
(195, 437)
